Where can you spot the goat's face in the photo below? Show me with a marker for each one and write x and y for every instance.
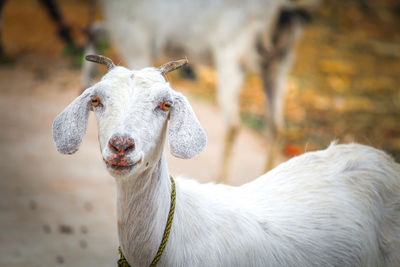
(132, 110)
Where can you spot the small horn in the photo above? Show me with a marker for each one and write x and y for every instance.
(101, 60)
(173, 65)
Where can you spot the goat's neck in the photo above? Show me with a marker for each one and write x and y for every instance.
(143, 204)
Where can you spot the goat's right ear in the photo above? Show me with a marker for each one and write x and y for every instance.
(69, 126)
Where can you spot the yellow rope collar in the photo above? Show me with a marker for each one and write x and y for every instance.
(122, 262)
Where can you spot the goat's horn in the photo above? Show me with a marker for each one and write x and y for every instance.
(101, 60)
(173, 65)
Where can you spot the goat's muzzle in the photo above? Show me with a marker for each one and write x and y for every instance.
(120, 147)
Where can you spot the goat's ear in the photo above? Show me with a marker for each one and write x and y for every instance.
(69, 126)
(186, 137)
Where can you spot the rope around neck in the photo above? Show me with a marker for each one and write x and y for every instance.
(122, 262)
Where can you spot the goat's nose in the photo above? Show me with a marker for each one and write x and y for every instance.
(121, 143)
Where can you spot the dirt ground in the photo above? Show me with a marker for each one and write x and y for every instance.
(60, 210)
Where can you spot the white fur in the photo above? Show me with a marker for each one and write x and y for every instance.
(336, 207)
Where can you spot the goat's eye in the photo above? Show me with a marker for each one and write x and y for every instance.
(95, 101)
(165, 106)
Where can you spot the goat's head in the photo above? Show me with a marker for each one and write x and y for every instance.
(132, 110)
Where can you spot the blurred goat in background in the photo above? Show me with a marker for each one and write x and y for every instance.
(257, 36)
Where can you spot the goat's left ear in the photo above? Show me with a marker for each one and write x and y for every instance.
(69, 126)
(186, 137)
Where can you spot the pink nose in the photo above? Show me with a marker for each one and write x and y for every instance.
(121, 144)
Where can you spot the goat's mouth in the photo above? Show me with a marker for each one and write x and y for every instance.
(121, 166)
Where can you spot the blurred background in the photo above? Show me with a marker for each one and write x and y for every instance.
(59, 210)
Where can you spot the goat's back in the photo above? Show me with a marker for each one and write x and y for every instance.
(343, 201)
(336, 207)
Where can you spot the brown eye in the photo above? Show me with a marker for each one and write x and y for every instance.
(95, 101)
(165, 106)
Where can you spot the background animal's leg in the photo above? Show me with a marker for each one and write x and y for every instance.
(96, 35)
(64, 30)
(88, 68)
(276, 63)
(230, 80)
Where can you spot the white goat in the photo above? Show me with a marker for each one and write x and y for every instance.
(336, 207)
(256, 35)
